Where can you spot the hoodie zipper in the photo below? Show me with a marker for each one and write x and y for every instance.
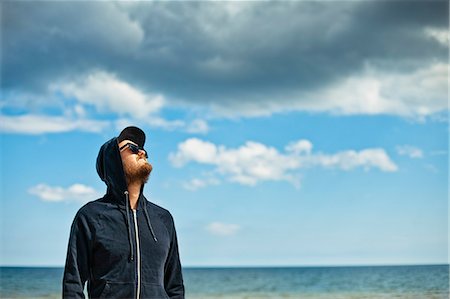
(138, 249)
(138, 256)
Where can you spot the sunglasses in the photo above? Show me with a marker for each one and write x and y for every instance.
(134, 148)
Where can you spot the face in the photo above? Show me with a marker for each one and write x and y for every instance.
(135, 165)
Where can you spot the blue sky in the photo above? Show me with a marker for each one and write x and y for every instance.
(281, 133)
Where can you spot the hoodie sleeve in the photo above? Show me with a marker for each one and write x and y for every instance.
(76, 271)
(173, 278)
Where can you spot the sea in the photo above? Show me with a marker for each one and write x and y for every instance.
(368, 282)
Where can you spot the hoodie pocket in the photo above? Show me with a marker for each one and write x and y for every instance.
(153, 290)
(118, 290)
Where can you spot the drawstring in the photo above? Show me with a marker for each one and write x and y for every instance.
(148, 221)
(127, 207)
(147, 218)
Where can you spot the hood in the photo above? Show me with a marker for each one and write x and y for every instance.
(110, 170)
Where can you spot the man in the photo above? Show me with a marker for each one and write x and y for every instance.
(123, 245)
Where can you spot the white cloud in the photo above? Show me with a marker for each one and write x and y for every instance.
(410, 151)
(195, 184)
(350, 159)
(196, 150)
(99, 89)
(109, 94)
(299, 147)
(418, 94)
(39, 124)
(222, 229)
(78, 192)
(255, 162)
(440, 35)
(197, 126)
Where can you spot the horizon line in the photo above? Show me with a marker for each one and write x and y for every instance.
(260, 266)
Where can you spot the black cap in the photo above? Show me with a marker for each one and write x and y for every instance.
(134, 134)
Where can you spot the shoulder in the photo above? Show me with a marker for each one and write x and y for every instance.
(90, 207)
(91, 211)
(88, 218)
(158, 210)
(162, 214)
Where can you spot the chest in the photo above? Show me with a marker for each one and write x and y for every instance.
(117, 239)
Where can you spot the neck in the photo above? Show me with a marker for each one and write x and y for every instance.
(134, 189)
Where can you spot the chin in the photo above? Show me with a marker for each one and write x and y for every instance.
(148, 167)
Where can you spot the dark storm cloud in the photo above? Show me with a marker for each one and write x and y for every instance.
(43, 41)
(217, 52)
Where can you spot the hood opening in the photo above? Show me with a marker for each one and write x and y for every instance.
(110, 170)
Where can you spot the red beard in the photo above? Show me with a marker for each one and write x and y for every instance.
(139, 174)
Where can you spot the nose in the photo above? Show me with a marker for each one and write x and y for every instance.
(142, 152)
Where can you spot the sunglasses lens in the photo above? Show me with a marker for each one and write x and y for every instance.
(134, 148)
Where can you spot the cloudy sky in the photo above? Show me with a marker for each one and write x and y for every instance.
(281, 133)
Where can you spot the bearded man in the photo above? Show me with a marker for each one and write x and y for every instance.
(122, 245)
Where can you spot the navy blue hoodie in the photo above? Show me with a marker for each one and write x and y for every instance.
(119, 252)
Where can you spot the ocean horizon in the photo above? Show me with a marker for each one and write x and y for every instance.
(309, 282)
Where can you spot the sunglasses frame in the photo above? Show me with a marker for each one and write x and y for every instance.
(134, 148)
